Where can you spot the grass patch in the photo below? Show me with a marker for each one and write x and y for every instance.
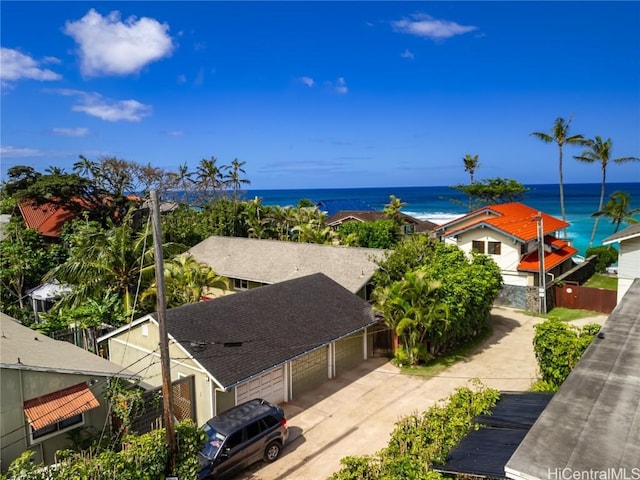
(568, 314)
(606, 282)
(438, 365)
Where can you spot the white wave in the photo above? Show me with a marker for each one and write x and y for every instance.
(438, 218)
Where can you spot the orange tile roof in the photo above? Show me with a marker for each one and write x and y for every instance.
(514, 219)
(54, 407)
(530, 263)
(48, 219)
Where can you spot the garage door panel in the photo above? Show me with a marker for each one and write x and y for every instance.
(309, 371)
(349, 352)
(269, 386)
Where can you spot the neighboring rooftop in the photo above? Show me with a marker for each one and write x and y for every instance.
(514, 219)
(237, 336)
(341, 216)
(273, 261)
(26, 349)
(593, 422)
(631, 231)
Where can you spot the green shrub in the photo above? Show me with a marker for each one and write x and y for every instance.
(142, 457)
(607, 256)
(558, 347)
(420, 440)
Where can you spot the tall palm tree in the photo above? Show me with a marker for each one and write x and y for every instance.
(560, 135)
(209, 178)
(233, 179)
(186, 281)
(471, 164)
(599, 151)
(618, 209)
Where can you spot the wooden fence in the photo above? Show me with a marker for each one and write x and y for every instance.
(572, 295)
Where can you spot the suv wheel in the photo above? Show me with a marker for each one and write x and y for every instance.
(272, 452)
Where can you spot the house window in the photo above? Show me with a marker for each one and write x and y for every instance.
(494, 248)
(56, 428)
(478, 246)
(240, 284)
(408, 229)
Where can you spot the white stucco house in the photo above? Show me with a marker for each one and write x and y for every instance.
(628, 258)
(509, 234)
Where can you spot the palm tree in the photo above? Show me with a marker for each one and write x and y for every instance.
(85, 167)
(113, 260)
(232, 177)
(413, 309)
(599, 151)
(560, 135)
(618, 210)
(471, 164)
(186, 281)
(209, 178)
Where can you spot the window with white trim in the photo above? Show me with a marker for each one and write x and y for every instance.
(56, 428)
(240, 284)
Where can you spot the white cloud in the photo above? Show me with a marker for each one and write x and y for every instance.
(15, 65)
(422, 25)
(71, 132)
(175, 133)
(407, 54)
(106, 109)
(8, 151)
(109, 46)
(308, 81)
(341, 86)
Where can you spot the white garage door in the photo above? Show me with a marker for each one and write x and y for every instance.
(269, 386)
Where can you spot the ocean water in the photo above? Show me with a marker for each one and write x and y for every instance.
(435, 203)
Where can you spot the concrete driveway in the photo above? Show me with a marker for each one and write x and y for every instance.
(355, 413)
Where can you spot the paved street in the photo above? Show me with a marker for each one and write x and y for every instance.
(355, 413)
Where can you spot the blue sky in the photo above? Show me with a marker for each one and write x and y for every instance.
(322, 94)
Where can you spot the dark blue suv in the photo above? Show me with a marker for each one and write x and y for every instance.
(241, 436)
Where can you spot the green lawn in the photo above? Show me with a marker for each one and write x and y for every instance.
(606, 282)
(568, 314)
(438, 365)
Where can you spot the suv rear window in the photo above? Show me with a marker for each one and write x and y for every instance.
(271, 421)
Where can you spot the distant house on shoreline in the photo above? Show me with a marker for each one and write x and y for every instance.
(509, 234)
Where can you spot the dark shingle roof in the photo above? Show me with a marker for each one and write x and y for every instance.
(266, 326)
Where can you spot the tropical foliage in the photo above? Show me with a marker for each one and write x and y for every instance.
(186, 281)
(607, 256)
(423, 439)
(558, 346)
(491, 191)
(618, 210)
(413, 309)
(142, 457)
(104, 261)
(599, 151)
(461, 291)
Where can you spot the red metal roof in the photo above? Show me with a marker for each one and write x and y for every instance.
(54, 407)
(515, 219)
(530, 263)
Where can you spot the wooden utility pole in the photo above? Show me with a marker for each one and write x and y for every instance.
(161, 312)
(542, 281)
